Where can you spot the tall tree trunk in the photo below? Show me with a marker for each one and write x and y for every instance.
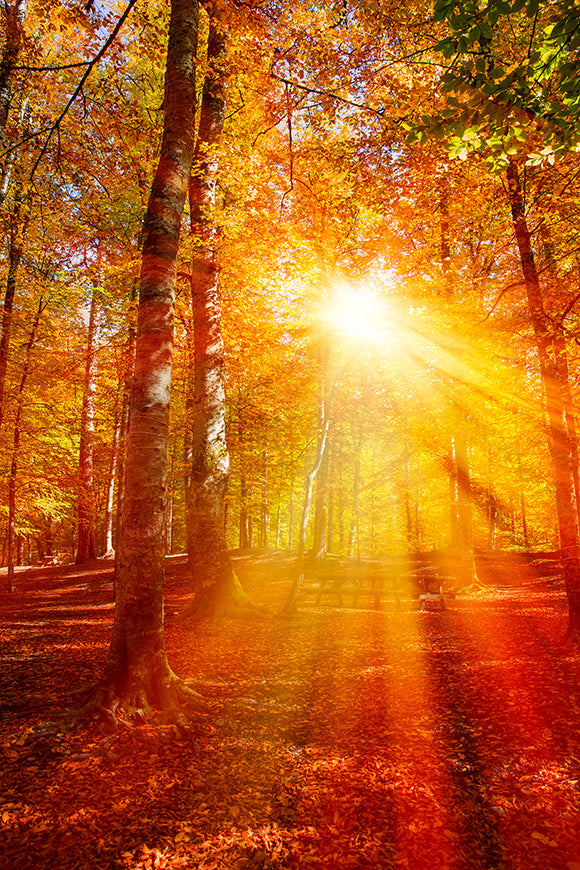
(14, 16)
(127, 368)
(137, 673)
(491, 504)
(215, 583)
(331, 502)
(86, 545)
(17, 232)
(245, 540)
(291, 508)
(459, 477)
(298, 579)
(353, 530)
(453, 499)
(113, 462)
(560, 352)
(551, 374)
(13, 476)
(264, 508)
(444, 244)
(320, 506)
(464, 509)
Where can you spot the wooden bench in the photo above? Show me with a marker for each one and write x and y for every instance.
(441, 597)
(397, 580)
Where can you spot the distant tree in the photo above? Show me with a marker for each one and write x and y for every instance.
(86, 544)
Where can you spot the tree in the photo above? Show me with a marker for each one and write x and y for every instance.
(86, 544)
(137, 674)
(552, 369)
(16, 443)
(215, 582)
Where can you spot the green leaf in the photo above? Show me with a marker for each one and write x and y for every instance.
(442, 8)
(474, 34)
(532, 8)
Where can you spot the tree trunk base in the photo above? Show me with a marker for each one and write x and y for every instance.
(472, 587)
(218, 601)
(290, 608)
(571, 574)
(163, 698)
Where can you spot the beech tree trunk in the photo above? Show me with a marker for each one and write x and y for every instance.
(321, 504)
(551, 374)
(245, 536)
(14, 16)
(264, 503)
(17, 232)
(110, 500)
(128, 365)
(86, 546)
(464, 509)
(331, 502)
(215, 583)
(137, 673)
(298, 579)
(353, 530)
(13, 476)
(560, 354)
(461, 510)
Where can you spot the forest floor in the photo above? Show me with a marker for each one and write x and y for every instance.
(340, 738)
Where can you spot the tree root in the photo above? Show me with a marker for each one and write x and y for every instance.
(222, 600)
(472, 588)
(162, 700)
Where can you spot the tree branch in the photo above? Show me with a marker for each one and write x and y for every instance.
(320, 93)
(79, 88)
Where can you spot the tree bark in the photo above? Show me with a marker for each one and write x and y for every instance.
(128, 366)
(551, 374)
(17, 233)
(298, 579)
(461, 510)
(86, 545)
(13, 476)
(560, 352)
(137, 674)
(14, 28)
(353, 530)
(464, 509)
(264, 504)
(321, 504)
(113, 463)
(215, 583)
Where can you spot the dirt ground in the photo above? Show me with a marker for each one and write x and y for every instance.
(341, 738)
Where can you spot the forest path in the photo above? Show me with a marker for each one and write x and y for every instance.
(340, 739)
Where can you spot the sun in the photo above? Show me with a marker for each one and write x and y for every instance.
(358, 315)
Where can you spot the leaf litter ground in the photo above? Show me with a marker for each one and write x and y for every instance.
(339, 739)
